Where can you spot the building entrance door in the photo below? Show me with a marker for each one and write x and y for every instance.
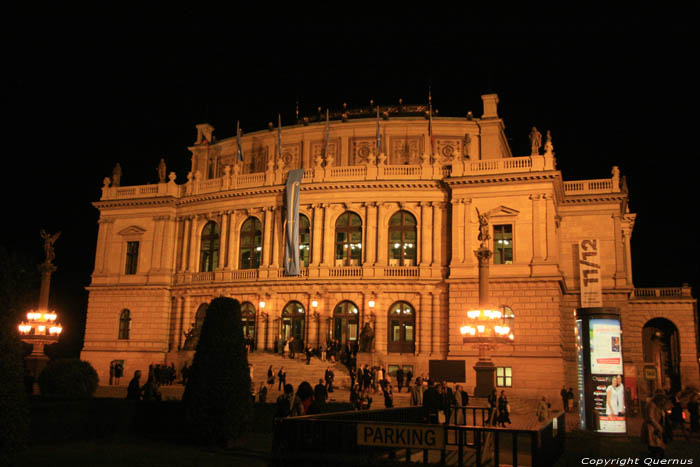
(293, 322)
(345, 322)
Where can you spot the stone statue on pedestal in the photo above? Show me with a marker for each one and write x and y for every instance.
(161, 171)
(484, 235)
(367, 338)
(535, 141)
(116, 175)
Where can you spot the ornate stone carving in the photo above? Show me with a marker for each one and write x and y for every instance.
(405, 150)
(362, 149)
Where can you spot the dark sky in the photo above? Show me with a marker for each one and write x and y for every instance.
(84, 89)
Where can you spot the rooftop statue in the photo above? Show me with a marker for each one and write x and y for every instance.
(49, 240)
(116, 175)
(161, 171)
(535, 141)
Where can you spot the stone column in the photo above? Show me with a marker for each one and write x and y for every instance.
(223, 243)
(267, 235)
(328, 237)
(192, 245)
(187, 315)
(168, 244)
(437, 234)
(382, 241)
(234, 237)
(469, 237)
(551, 233)
(277, 238)
(432, 320)
(317, 236)
(619, 251)
(538, 229)
(156, 256)
(371, 236)
(426, 225)
(457, 232)
(103, 237)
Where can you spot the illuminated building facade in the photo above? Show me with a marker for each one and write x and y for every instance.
(394, 227)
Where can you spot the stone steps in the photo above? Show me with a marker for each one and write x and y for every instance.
(297, 369)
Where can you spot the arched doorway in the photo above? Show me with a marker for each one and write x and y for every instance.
(661, 348)
(248, 320)
(293, 319)
(345, 322)
(402, 328)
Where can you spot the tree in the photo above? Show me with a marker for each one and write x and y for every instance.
(217, 398)
(14, 411)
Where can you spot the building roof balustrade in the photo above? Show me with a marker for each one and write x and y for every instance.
(662, 292)
(426, 171)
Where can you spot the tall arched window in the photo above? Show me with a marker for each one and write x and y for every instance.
(402, 239)
(251, 244)
(124, 324)
(200, 316)
(209, 251)
(348, 240)
(345, 322)
(248, 320)
(304, 240)
(402, 328)
(293, 318)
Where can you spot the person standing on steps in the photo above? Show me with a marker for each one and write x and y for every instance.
(281, 378)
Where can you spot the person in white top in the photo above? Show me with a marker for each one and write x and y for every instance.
(615, 397)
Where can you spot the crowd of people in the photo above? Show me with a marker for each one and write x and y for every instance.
(665, 412)
(333, 351)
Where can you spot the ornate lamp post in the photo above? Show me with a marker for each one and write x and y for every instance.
(41, 326)
(486, 326)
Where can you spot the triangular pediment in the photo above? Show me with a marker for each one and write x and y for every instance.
(503, 211)
(132, 230)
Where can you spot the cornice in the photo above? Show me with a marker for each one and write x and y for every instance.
(135, 202)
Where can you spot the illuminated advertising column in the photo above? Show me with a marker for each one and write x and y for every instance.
(600, 370)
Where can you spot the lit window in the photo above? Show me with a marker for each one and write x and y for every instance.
(401, 325)
(209, 251)
(251, 244)
(504, 377)
(503, 244)
(402, 239)
(348, 240)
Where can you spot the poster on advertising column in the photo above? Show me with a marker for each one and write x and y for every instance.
(589, 272)
(606, 374)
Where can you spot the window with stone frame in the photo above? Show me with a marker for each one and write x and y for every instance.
(402, 328)
(132, 258)
(209, 249)
(504, 377)
(402, 239)
(348, 240)
(503, 244)
(251, 244)
(124, 324)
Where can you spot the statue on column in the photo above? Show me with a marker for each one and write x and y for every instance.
(548, 146)
(367, 338)
(49, 240)
(161, 171)
(116, 175)
(484, 235)
(535, 141)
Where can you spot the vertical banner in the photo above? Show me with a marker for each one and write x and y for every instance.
(291, 238)
(589, 271)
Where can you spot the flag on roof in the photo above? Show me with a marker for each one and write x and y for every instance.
(379, 135)
(238, 141)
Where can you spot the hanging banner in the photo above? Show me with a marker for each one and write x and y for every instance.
(291, 252)
(589, 272)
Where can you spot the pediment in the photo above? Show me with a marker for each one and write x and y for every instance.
(503, 211)
(133, 230)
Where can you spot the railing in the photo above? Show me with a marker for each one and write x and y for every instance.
(303, 272)
(325, 438)
(352, 172)
(665, 292)
(402, 271)
(586, 187)
(345, 271)
(203, 276)
(511, 164)
(413, 171)
(240, 274)
(255, 179)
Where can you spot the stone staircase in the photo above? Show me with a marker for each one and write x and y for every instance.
(297, 370)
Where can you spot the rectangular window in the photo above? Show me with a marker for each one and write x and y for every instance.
(503, 244)
(504, 377)
(132, 257)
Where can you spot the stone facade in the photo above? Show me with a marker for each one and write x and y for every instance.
(469, 165)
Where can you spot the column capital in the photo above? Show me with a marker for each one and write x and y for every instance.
(105, 220)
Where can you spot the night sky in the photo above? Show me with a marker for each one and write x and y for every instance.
(84, 89)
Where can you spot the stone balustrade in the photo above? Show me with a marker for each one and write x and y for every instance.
(661, 292)
(426, 171)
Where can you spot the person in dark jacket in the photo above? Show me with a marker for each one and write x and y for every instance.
(493, 401)
(503, 410)
(133, 392)
(432, 402)
(320, 392)
(399, 379)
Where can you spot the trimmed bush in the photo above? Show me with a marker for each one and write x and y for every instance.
(68, 378)
(217, 397)
(14, 411)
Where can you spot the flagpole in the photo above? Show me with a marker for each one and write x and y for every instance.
(430, 122)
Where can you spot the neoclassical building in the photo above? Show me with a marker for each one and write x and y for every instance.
(388, 230)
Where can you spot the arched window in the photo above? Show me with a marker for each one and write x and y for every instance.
(200, 316)
(345, 322)
(402, 328)
(402, 239)
(248, 320)
(251, 244)
(293, 318)
(304, 240)
(124, 324)
(348, 240)
(209, 251)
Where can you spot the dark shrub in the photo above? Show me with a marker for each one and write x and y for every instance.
(68, 378)
(217, 397)
(14, 412)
